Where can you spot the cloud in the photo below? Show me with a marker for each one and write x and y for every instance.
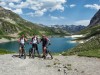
(39, 6)
(92, 6)
(19, 11)
(2, 3)
(37, 13)
(17, 1)
(62, 17)
(82, 22)
(72, 5)
(56, 17)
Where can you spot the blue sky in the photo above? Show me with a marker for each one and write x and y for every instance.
(51, 12)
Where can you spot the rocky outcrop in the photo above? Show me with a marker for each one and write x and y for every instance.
(95, 20)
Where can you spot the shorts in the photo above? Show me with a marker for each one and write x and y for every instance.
(35, 46)
(22, 45)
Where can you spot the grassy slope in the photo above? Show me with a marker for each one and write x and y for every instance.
(91, 31)
(3, 51)
(26, 28)
(90, 48)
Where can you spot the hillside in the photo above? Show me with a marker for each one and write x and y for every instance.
(94, 27)
(12, 23)
(91, 45)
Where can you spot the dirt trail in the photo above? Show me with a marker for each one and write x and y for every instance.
(60, 65)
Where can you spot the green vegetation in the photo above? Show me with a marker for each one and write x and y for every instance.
(90, 48)
(3, 51)
(26, 28)
(6, 37)
(90, 53)
(90, 31)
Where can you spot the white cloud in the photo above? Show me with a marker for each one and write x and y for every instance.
(56, 17)
(2, 3)
(18, 6)
(19, 11)
(62, 17)
(30, 14)
(39, 6)
(11, 5)
(37, 13)
(82, 22)
(17, 1)
(72, 5)
(92, 6)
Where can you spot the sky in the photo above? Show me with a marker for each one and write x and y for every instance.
(52, 12)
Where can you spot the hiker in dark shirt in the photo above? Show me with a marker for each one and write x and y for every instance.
(44, 41)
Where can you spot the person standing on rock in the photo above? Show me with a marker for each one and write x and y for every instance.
(35, 42)
(21, 41)
(44, 41)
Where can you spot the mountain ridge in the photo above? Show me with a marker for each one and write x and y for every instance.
(95, 19)
(70, 28)
(11, 23)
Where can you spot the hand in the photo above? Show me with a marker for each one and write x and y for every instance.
(49, 44)
(30, 42)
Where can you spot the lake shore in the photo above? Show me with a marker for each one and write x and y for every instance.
(60, 65)
(77, 41)
(3, 40)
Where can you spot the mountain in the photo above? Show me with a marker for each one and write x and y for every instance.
(11, 23)
(91, 45)
(95, 20)
(93, 28)
(70, 28)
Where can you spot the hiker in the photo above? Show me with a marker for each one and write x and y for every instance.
(44, 41)
(35, 42)
(22, 41)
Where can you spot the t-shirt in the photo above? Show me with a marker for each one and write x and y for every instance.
(44, 41)
(34, 40)
(22, 40)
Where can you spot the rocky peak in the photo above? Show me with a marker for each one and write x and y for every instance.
(96, 19)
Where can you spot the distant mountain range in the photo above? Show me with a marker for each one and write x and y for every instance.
(70, 28)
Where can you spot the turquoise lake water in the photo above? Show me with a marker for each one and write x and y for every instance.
(57, 45)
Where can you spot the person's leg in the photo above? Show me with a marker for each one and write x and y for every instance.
(37, 50)
(30, 52)
(20, 51)
(44, 52)
(33, 50)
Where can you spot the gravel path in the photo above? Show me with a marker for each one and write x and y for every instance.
(60, 65)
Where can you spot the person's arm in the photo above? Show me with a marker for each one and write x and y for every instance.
(31, 41)
(40, 40)
(19, 40)
(48, 41)
(37, 40)
(25, 40)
